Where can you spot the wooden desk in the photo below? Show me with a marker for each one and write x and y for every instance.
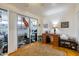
(53, 38)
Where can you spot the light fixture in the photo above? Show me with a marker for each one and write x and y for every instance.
(55, 26)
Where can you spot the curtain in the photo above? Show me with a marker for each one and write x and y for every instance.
(25, 22)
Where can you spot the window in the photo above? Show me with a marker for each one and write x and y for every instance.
(3, 31)
(22, 30)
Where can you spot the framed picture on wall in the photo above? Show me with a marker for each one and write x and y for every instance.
(45, 25)
(65, 24)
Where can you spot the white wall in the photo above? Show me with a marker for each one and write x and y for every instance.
(77, 20)
(40, 26)
(12, 39)
(72, 15)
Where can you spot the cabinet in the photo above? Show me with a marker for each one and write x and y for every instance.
(43, 38)
(68, 44)
(55, 40)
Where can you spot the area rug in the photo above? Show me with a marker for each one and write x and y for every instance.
(37, 49)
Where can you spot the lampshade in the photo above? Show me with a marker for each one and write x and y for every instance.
(56, 25)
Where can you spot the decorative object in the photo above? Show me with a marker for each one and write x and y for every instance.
(45, 25)
(65, 24)
(55, 26)
(54, 30)
(64, 36)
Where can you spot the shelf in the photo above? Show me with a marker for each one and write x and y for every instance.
(68, 44)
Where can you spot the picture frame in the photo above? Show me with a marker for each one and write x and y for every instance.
(45, 25)
(65, 24)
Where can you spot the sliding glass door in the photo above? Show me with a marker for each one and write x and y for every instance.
(3, 31)
(23, 30)
(26, 30)
(33, 29)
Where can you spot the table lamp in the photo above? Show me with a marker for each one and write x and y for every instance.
(55, 26)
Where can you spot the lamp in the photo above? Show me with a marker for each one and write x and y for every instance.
(55, 25)
(54, 30)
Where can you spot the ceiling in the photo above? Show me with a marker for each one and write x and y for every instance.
(43, 9)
